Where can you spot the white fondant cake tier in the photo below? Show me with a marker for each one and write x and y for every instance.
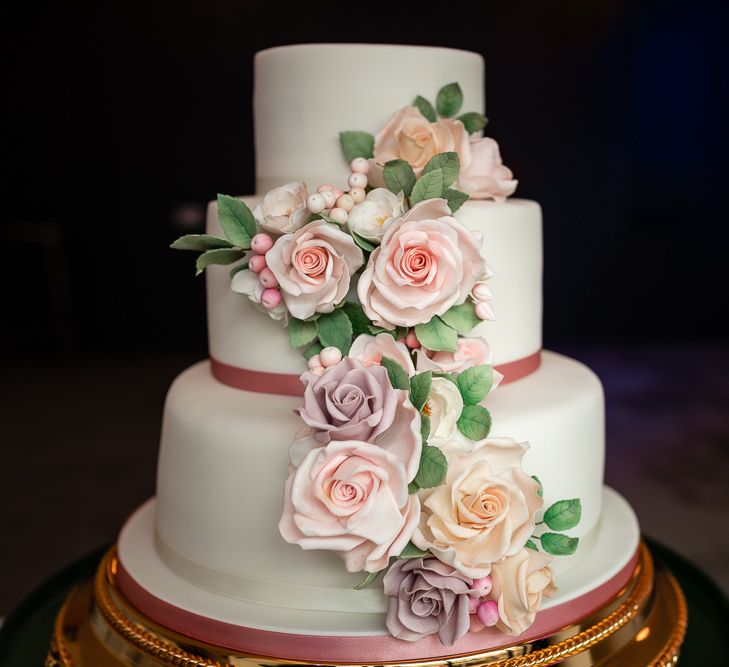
(297, 131)
(224, 458)
(239, 335)
(616, 539)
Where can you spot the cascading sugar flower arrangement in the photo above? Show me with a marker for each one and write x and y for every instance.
(380, 287)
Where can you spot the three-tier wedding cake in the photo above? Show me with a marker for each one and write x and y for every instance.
(378, 462)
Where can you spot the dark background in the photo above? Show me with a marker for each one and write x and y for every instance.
(122, 119)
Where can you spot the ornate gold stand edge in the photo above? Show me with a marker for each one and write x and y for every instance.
(169, 653)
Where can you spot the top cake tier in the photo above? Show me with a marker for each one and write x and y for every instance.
(304, 95)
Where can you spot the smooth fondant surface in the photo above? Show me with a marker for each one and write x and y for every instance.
(224, 457)
(297, 129)
(239, 335)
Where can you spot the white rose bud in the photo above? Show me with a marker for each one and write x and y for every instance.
(371, 217)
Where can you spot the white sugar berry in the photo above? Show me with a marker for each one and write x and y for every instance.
(314, 361)
(330, 356)
(358, 195)
(346, 202)
(338, 215)
(358, 180)
(360, 165)
(329, 197)
(316, 203)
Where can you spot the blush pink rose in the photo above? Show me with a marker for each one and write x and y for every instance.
(484, 511)
(314, 266)
(409, 136)
(370, 350)
(428, 262)
(351, 498)
(520, 582)
(469, 353)
(483, 174)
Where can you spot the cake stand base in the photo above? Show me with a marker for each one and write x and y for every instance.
(644, 624)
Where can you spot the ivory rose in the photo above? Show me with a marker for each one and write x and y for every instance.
(444, 407)
(427, 597)
(483, 174)
(370, 350)
(352, 498)
(428, 262)
(371, 217)
(283, 209)
(246, 282)
(409, 136)
(483, 512)
(314, 266)
(519, 584)
(352, 401)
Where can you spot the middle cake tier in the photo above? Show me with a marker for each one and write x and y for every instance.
(224, 459)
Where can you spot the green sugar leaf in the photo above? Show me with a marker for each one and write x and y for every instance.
(424, 428)
(239, 267)
(425, 108)
(200, 243)
(428, 186)
(530, 545)
(558, 544)
(446, 376)
(473, 121)
(397, 374)
(420, 388)
(355, 313)
(475, 383)
(455, 198)
(448, 163)
(399, 177)
(462, 318)
(436, 335)
(449, 100)
(367, 581)
(219, 256)
(237, 221)
(335, 330)
(357, 144)
(433, 468)
(474, 422)
(564, 514)
(362, 242)
(540, 489)
(301, 333)
(312, 350)
(411, 551)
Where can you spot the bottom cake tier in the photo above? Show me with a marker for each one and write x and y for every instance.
(169, 598)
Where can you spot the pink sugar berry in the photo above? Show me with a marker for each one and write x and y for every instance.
(257, 263)
(411, 340)
(270, 298)
(261, 243)
(488, 613)
(267, 279)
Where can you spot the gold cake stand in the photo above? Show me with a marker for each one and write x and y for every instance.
(644, 625)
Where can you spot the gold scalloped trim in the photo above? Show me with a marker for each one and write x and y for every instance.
(169, 653)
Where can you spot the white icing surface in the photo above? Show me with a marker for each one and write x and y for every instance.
(223, 461)
(616, 539)
(297, 130)
(512, 246)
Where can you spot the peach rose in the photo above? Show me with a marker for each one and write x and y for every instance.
(428, 262)
(283, 209)
(519, 584)
(314, 266)
(352, 498)
(483, 174)
(370, 350)
(483, 512)
(409, 136)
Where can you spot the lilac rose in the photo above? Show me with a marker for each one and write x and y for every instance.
(351, 401)
(427, 597)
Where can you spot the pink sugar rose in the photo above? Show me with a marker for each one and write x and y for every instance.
(484, 511)
(483, 174)
(283, 209)
(409, 136)
(314, 266)
(428, 262)
(352, 498)
(370, 350)
(470, 352)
